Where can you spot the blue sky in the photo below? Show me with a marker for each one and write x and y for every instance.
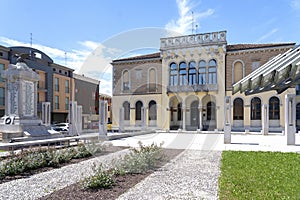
(80, 27)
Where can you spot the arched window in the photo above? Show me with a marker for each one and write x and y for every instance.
(152, 110)
(126, 78)
(182, 74)
(274, 108)
(212, 72)
(255, 109)
(202, 73)
(179, 112)
(152, 80)
(238, 109)
(126, 106)
(138, 110)
(211, 111)
(237, 71)
(173, 74)
(192, 73)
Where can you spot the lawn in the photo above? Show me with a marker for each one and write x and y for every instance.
(259, 175)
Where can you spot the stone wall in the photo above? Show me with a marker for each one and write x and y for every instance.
(247, 57)
(138, 76)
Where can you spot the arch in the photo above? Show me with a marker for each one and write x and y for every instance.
(238, 109)
(152, 110)
(237, 70)
(192, 79)
(274, 108)
(255, 108)
(182, 74)
(212, 72)
(152, 79)
(125, 79)
(138, 110)
(126, 106)
(173, 74)
(189, 99)
(202, 72)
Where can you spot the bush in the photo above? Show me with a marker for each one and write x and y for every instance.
(38, 158)
(141, 159)
(101, 179)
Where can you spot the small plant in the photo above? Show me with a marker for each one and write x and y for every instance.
(101, 179)
(141, 159)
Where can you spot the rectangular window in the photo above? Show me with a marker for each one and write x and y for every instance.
(126, 86)
(212, 75)
(2, 96)
(56, 84)
(1, 69)
(67, 103)
(56, 103)
(67, 86)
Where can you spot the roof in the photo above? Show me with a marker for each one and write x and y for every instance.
(140, 57)
(236, 47)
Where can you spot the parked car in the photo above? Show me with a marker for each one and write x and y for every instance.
(64, 126)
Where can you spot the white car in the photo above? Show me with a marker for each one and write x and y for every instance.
(64, 126)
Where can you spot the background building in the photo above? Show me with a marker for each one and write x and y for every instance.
(137, 84)
(4, 62)
(87, 95)
(193, 74)
(241, 60)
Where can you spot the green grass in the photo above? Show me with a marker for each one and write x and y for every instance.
(259, 175)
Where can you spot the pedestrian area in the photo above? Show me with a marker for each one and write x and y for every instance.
(193, 174)
(214, 141)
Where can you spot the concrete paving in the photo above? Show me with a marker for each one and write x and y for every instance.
(213, 141)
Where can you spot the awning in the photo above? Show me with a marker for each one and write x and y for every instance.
(279, 73)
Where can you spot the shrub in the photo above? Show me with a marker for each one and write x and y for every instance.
(141, 159)
(101, 179)
(37, 158)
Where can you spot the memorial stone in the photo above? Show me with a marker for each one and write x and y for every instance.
(21, 103)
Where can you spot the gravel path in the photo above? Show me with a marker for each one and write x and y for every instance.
(192, 175)
(44, 183)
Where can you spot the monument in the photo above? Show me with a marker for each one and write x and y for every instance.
(21, 103)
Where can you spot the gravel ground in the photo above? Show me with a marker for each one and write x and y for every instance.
(192, 175)
(45, 183)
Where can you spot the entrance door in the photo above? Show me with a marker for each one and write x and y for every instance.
(194, 115)
(211, 116)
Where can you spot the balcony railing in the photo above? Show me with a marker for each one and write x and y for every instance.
(192, 88)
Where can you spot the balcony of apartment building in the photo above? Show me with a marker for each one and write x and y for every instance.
(201, 77)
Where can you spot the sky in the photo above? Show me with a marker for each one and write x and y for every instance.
(87, 35)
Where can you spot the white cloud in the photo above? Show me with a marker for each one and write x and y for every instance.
(267, 35)
(73, 59)
(183, 25)
(295, 4)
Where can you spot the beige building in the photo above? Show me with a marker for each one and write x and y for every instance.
(3, 66)
(184, 85)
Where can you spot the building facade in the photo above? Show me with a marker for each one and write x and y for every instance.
(193, 74)
(87, 95)
(4, 62)
(55, 84)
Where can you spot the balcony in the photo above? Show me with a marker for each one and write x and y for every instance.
(192, 88)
